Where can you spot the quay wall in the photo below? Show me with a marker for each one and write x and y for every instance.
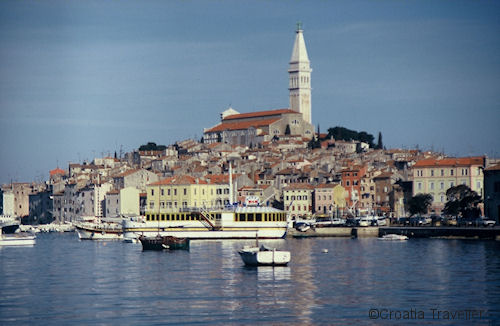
(444, 232)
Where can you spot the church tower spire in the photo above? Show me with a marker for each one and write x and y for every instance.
(300, 77)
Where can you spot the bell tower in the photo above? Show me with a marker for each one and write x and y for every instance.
(300, 77)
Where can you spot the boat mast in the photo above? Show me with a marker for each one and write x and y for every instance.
(230, 184)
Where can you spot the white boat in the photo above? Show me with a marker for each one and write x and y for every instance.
(9, 224)
(17, 239)
(262, 256)
(99, 230)
(228, 223)
(393, 237)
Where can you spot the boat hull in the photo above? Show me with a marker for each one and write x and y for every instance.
(97, 234)
(163, 243)
(256, 257)
(205, 234)
(17, 239)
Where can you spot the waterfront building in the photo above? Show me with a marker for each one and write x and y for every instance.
(351, 181)
(298, 200)
(16, 198)
(186, 192)
(436, 176)
(40, 207)
(137, 178)
(323, 199)
(252, 129)
(492, 192)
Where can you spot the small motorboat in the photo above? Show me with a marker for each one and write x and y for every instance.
(164, 242)
(264, 256)
(17, 239)
(393, 237)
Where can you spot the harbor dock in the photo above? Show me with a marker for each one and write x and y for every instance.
(410, 231)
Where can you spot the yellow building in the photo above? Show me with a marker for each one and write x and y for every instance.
(183, 193)
(297, 198)
(435, 177)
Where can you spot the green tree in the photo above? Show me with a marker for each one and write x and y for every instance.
(341, 133)
(462, 200)
(152, 147)
(419, 204)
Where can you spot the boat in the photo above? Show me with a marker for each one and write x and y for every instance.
(164, 242)
(221, 223)
(17, 239)
(264, 256)
(9, 224)
(393, 237)
(99, 229)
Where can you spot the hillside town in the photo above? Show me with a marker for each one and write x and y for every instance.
(336, 179)
(270, 158)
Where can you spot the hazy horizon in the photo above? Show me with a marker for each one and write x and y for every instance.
(79, 80)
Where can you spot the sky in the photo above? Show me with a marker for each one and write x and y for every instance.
(83, 79)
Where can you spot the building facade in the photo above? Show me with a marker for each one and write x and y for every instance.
(298, 200)
(436, 176)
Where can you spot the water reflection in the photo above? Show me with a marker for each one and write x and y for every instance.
(116, 283)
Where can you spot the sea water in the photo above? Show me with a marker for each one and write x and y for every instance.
(64, 281)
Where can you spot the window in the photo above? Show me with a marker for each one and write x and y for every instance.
(432, 173)
(432, 185)
(151, 205)
(168, 192)
(185, 191)
(175, 192)
(152, 192)
(452, 184)
(347, 183)
(162, 204)
(163, 192)
(441, 185)
(419, 186)
(451, 172)
(442, 172)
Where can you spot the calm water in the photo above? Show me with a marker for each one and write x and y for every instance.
(62, 280)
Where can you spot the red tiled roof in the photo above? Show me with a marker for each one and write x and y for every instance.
(461, 161)
(57, 171)
(298, 186)
(242, 125)
(493, 168)
(258, 114)
(179, 180)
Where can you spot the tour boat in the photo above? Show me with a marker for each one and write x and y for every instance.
(17, 239)
(224, 223)
(98, 229)
(262, 256)
(393, 237)
(162, 243)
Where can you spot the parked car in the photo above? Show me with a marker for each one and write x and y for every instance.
(488, 222)
(424, 221)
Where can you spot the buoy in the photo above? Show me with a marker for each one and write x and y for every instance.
(325, 251)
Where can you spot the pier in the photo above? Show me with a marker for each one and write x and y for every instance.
(410, 231)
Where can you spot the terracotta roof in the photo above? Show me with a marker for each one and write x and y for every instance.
(298, 186)
(57, 171)
(179, 180)
(258, 114)
(242, 125)
(126, 173)
(461, 161)
(326, 185)
(493, 168)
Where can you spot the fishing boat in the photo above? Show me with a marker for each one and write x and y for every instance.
(222, 223)
(264, 256)
(17, 239)
(164, 242)
(393, 237)
(99, 229)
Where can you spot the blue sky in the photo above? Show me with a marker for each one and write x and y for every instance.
(83, 78)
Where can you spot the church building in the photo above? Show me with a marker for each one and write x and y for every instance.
(256, 127)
